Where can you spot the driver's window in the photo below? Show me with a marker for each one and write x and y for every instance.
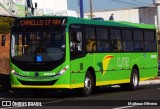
(76, 41)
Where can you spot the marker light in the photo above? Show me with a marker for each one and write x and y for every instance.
(63, 70)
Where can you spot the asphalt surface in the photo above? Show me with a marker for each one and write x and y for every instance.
(105, 98)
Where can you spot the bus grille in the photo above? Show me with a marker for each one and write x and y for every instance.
(37, 82)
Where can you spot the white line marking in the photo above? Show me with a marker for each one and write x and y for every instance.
(123, 107)
(52, 102)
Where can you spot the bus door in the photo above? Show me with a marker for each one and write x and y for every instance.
(76, 52)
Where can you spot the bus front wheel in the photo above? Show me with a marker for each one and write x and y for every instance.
(88, 84)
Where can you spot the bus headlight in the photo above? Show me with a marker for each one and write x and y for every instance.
(13, 72)
(63, 70)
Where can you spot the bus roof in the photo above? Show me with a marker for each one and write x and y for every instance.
(114, 23)
(120, 24)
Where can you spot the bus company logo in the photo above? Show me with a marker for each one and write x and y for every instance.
(6, 103)
(36, 74)
(105, 63)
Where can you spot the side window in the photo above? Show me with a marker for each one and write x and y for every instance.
(150, 41)
(115, 36)
(138, 40)
(127, 40)
(76, 41)
(103, 43)
(90, 39)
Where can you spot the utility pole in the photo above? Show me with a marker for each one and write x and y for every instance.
(81, 9)
(91, 13)
(157, 4)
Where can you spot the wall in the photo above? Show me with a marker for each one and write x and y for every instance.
(4, 55)
(135, 15)
(148, 15)
(13, 7)
(55, 5)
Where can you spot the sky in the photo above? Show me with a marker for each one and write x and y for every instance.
(98, 5)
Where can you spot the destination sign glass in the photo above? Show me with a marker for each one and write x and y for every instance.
(41, 22)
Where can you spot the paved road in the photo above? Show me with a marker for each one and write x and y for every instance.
(105, 97)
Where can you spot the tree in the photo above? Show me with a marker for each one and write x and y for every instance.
(5, 24)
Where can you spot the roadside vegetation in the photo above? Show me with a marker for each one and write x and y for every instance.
(5, 24)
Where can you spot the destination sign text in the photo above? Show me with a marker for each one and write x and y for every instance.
(40, 22)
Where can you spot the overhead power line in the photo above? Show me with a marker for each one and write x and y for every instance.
(128, 3)
(141, 2)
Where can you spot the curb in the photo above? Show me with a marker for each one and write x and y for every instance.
(157, 81)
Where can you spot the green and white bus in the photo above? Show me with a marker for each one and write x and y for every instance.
(67, 53)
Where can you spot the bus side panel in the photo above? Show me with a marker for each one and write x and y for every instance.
(114, 68)
(149, 66)
(78, 70)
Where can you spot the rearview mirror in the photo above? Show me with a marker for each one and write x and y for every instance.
(35, 5)
(3, 40)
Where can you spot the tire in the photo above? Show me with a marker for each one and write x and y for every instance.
(88, 85)
(134, 81)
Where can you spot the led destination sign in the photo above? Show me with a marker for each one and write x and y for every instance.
(41, 22)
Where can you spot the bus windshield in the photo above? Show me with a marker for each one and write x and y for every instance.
(37, 46)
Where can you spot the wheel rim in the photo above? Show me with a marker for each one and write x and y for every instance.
(88, 84)
(135, 80)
